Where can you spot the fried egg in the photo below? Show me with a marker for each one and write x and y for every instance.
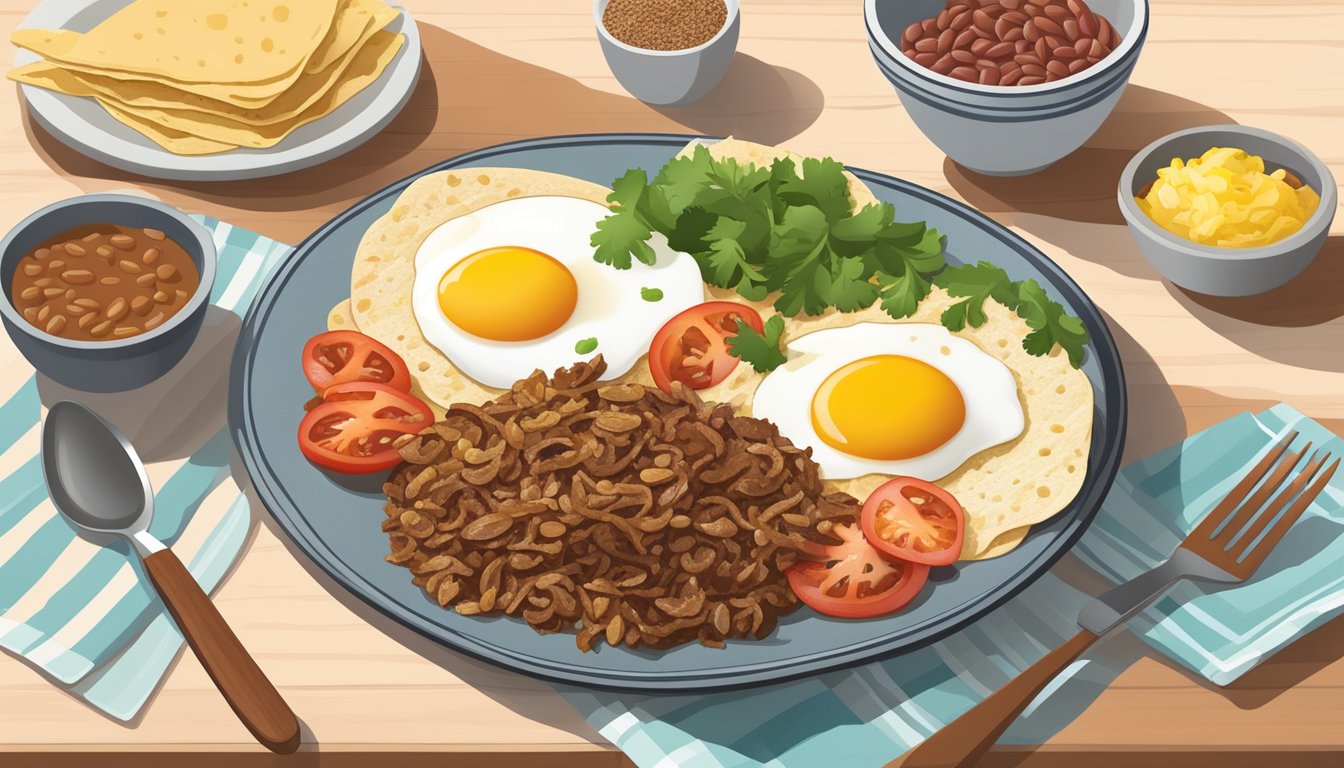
(513, 287)
(893, 399)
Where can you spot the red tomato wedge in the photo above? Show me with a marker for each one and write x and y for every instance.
(852, 580)
(914, 520)
(338, 357)
(692, 347)
(353, 429)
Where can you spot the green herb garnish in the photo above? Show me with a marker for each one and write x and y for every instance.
(760, 350)
(584, 346)
(1050, 325)
(651, 294)
(763, 230)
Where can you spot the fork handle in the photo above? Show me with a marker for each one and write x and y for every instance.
(966, 739)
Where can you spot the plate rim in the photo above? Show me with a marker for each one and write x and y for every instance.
(399, 81)
(296, 527)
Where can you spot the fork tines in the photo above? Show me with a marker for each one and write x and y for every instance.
(1254, 516)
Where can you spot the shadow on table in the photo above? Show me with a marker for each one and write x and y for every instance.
(1072, 204)
(1300, 323)
(173, 416)
(756, 101)
(1156, 420)
(1288, 667)
(1082, 186)
(470, 97)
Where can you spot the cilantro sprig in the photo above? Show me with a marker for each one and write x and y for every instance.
(1051, 325)
(759, 350)
(793, 232)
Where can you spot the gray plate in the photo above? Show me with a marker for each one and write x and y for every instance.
(336, 521)
(84, 126)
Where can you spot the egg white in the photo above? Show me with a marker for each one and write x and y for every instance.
(610, 307)
(993, 412)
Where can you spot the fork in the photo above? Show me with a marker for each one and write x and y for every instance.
(1226, 547)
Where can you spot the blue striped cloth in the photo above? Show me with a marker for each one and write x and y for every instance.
(867, 715)
(82, 613)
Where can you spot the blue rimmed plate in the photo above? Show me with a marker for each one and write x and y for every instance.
(338, 525)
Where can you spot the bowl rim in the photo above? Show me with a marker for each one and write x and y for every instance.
(1129, 46)
(1312, 227)
(599, 6)
(201, 296)
(1007, 113)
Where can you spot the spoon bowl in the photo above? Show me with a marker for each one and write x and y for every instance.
(95, 478)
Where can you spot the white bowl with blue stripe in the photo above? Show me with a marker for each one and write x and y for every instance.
(1005, 130)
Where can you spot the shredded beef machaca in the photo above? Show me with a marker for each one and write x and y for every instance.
(619, 511)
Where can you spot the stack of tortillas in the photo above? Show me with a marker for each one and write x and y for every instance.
(213, 75)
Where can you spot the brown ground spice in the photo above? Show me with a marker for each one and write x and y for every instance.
(664, 25)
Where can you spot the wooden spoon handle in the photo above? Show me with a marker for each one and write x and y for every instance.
(244, 685)
(966, 739)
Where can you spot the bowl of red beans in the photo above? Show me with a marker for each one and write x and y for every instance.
(1007, 87)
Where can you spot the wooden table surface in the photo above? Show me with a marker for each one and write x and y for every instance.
(803, 77)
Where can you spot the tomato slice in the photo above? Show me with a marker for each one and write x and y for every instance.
(914, 520)
(337, 357)
(353, 429)
(692, 347)
(853, 580)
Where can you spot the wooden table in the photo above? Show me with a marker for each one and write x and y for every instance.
(803, 77)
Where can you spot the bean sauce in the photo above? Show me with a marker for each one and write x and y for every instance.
(103, 282)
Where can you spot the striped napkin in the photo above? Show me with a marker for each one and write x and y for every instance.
(81, 613)
(867, 715)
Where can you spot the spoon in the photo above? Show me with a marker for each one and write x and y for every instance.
(98, 483)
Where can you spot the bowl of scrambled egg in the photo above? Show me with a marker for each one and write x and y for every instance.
(1228, 210)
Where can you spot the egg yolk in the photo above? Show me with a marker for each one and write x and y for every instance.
(887, 407)
(508, 293)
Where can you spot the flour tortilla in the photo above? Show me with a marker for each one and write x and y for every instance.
(340, 318)
(364, 69)
(161, 125)
(1004, 489)
(174, 141)
(196, 42)
(167, 104)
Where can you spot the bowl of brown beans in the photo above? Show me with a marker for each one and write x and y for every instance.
(105, 293)
(667, 52)
(1007, 87)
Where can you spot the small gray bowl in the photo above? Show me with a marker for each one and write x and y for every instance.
(1002, 130)
(670, 78)
(118, 364)
(1228, 271)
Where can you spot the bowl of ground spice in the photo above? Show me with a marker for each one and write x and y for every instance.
(667, 52)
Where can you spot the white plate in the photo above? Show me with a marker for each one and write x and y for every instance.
(84, 126)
